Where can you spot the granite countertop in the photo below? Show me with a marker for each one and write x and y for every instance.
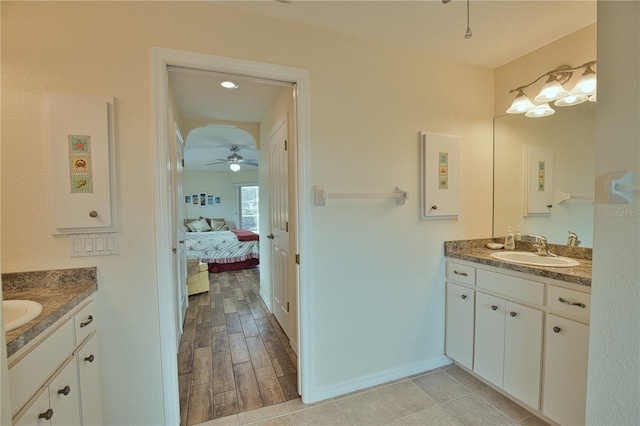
(476, 251)
(59, 291)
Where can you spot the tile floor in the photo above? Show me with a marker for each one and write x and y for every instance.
(444, 396)
(233, 355)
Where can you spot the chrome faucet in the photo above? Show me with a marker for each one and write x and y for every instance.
(541, 246)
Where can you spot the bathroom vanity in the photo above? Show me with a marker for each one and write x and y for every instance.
(522, 329)
(54, 376)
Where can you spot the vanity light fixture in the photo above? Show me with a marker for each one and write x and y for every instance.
(553, 90)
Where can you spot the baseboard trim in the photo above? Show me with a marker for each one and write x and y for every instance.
(378, 378)
(266, 300)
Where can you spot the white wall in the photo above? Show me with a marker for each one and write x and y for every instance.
(614, 349)
(223, 184)
(377, 272)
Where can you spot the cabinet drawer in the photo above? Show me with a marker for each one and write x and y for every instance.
(569, 301)
(518, 288)
(461, 273)
(31, 371)
(85, 322)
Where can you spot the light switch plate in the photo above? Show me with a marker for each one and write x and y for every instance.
(104, 244)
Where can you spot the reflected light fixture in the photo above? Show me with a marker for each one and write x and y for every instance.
(554, 91)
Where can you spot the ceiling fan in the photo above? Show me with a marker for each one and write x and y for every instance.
(235, 160)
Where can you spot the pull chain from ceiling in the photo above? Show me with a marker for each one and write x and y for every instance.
(468, 33)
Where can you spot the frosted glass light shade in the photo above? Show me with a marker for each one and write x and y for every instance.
(571, 99)
(551, 91)
(587, 83)
(521, 104)
(593, 98)
(234, 167)
(543, 110)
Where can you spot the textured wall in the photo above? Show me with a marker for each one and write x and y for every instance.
(614, 349)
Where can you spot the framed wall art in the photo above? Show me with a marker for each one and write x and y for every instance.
(440, 176)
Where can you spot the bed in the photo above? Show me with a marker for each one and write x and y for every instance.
(224, 250)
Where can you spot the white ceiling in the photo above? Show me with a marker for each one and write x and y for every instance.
(502, 32)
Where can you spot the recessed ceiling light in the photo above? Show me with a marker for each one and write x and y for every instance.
(229, 85)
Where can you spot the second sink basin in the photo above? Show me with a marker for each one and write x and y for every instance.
(532, 259)
(19, 312)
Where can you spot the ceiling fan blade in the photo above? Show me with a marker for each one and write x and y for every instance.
(249, 162)
(219, 162)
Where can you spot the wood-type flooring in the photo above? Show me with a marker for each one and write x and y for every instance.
(233, 355)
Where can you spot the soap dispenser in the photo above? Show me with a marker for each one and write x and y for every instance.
(518, 235)
(509, 240)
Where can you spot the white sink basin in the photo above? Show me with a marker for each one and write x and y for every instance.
(19, 312)
(532, 259)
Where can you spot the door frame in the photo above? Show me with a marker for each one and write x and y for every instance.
(161, 59)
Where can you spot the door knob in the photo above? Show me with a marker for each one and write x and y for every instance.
(270, 236)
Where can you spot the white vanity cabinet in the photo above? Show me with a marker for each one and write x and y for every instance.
(526, 334)
(460, 311)
(508, 336)
(567, 348)
(48, 381)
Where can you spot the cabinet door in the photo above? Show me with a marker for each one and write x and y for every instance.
(488, 358)
(523, 353)
(565, 372)
(459, 324)
(88, 368)
(64, 396)
(37, 412)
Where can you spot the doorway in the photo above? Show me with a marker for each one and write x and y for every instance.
(162, 58)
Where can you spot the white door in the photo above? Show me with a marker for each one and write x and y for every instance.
(181, 266)
(177, 230)
(279, 234)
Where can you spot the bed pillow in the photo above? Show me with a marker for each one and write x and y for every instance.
(199, 225)
(217, 225)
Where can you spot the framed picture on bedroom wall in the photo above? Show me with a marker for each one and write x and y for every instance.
(203, 199)
(210, 198)
(218, 200)
(187, 199)
(195, 200)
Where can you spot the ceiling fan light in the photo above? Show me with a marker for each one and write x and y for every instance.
(229, 84)
(587, 82)
(551, 91)
(521, 104)
(543, 110)
(571, 99)
(234, 167)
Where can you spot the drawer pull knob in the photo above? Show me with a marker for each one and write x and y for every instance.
(90, 358)
(578, 304)
(464, 296)
(93, 213)
(464, 274)
(494, 307)
(87, 322)
(556, 329)
(46, 415)
(513, 314)
(64, 391)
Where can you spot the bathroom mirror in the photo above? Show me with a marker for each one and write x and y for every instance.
(570, 133)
